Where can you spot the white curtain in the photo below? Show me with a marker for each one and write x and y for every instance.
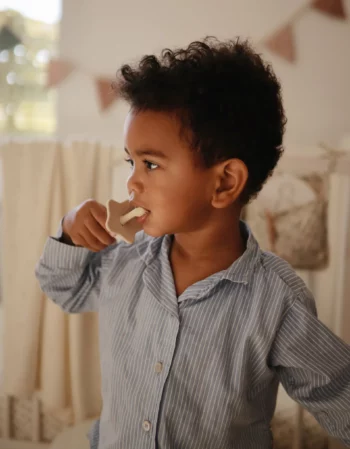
(46, 350)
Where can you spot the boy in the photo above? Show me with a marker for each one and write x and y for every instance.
(197, 325)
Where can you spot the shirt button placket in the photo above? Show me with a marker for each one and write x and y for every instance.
(158, 367)
(146, 425)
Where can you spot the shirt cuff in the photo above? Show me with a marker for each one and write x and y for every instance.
(59, 235)
(58, 255)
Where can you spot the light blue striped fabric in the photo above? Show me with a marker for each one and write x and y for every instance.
(200, 371)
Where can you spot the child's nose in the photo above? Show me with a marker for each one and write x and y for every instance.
(134, 183)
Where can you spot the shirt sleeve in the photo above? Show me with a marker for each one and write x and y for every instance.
(59, 233)
(313, 365)
(71, 276)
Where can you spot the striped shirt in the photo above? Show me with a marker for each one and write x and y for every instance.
(199, 371)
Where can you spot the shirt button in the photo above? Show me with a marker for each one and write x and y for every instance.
(146, 425)
(158, 367)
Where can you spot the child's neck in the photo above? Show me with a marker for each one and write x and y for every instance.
(197, 255)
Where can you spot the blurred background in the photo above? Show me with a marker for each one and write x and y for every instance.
(95, 37)
(29, 37)
(59, 120)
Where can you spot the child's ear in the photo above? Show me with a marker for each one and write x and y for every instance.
(231, 178)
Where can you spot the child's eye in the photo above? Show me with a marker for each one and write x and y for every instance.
(130, 162)
(150, 165)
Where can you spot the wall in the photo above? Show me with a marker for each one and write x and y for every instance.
(99, 35)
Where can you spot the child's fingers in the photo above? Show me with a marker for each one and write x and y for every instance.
(99, 232)
(99, 212)
(86, 226)
(90, 242)
(80, 241)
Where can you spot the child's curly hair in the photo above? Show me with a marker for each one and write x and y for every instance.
(227, 99)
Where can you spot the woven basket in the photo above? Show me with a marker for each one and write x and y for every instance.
(284, 430)
(26, 420)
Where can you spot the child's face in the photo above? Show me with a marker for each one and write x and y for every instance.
(174, 187)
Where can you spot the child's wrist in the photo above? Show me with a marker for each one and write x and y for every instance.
(65, 235)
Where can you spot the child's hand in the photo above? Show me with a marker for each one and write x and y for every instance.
(85, 226)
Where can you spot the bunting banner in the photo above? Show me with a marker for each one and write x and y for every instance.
(333, 8)
(106, 94)
(282, 43)
(57, 71)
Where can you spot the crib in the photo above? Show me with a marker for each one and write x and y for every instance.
(27, 424)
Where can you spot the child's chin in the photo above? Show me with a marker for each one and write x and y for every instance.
(153, 231)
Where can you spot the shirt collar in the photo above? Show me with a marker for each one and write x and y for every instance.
(240, 271)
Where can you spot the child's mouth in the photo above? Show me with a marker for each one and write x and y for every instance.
(137, 212)
(144, 217)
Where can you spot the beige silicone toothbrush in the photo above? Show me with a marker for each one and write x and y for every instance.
(120, 221)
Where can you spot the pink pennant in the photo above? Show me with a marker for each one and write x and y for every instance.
(333, 8)
(58, 70)
(282, 43)
(106, 94)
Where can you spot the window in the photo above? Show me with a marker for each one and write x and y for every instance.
(27, 107)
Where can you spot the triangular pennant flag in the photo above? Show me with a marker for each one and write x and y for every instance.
(8, 39)
(334, 8)
(105, 93)
(57, 71)
(282, 43)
